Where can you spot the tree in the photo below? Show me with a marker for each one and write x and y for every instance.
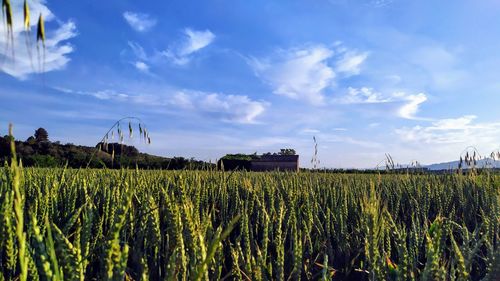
(31, 140)
(287, 151)
(41, 135)
(5, 145)
(8, 138)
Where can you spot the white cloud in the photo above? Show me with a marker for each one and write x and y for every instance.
(463, 131)
(299, 73)
(141, 66)
(410, 109)
(454, 124)
(409, 102)
(350, 63)
(305, 73)
(363, 95)
(21, 59)
(109, 94)
(182, 100)
(195, 40)
(229, 108)
(139, 22)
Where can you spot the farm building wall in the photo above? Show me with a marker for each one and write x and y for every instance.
(232, 164)
(270, 166)
(264, 163)
(276, 162)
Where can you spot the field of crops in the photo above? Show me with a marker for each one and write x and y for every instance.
(88, 224)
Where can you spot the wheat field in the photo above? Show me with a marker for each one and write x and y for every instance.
(64, 224)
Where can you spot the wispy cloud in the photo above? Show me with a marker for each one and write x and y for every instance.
(369, 3)
(139, 59)
(194, 40)
(139, 22)
(309, 131)
(441, 64)
(101, 94)
(227, 108)
(363, 95)
(350, 63)
(408, 104)
(20, 59)
(350, 140)
(305, 73)
(326, 138)
(138, 50)
(380, 3)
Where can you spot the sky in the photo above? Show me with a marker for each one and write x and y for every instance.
(418, 80)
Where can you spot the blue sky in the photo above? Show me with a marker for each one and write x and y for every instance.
(416, 79)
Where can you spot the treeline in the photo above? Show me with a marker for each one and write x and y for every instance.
(253, 156)
(39, 151)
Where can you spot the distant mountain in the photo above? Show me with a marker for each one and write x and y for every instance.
(483, 163)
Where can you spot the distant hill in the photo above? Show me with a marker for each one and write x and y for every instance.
(40, 152)
(483, 163)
